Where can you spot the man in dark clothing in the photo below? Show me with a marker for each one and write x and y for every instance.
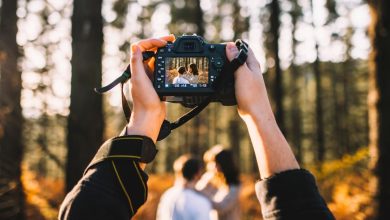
(114, 185)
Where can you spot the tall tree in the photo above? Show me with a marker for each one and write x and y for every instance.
(278, 84)
(198, 120)
(379, 104)
(85, 122)
(11, 120)
(296, 115)
(319, 110)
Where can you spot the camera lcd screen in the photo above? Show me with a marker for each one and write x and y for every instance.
(186, 72)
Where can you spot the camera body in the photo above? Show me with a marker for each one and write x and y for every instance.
(186, 71)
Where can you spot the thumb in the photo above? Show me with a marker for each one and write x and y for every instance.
(231, 51)
(138, 73)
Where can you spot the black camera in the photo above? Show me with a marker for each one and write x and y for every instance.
(187, 71)
(190, 72)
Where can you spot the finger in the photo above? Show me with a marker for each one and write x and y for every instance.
(150, 44)
(231, 51)
(170, 38)
(139, 75)
(252, 62)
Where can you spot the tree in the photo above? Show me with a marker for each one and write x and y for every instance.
(85, 122)
(319, 109)
(11, 120)
(296, 114)
(278, 84)
(379, 104)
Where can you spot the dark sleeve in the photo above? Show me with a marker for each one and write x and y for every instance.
(291, 194)
(112, 189)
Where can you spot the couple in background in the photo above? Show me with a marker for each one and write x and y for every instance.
(213, 195)
(186, 77)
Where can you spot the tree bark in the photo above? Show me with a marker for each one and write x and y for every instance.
(278, 84)
(296, 114)
(85, 122)
(379, 105)
(235, 137)
(198, 120)
(319, 111)
(11, 120)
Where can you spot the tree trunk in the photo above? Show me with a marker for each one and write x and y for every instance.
(345, 122)
(199, 19)
(235, 137)
(296, 114)
(319, 112)
(11, 120)
(278, 84)
(379, 104)
(85, 122)
(198, 120)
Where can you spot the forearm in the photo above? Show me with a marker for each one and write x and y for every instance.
(272, 151)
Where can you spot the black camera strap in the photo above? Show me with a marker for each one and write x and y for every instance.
(166, 127)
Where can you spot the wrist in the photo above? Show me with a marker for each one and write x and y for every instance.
(145, 123)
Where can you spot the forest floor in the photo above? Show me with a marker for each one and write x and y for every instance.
(344, 184)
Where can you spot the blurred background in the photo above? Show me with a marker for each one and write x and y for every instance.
(315, 56)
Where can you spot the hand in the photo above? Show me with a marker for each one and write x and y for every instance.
(148, 111)
(251, 93)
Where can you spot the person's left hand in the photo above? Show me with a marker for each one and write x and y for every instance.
(148, 110)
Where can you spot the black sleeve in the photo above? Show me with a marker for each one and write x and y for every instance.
(106, 192)
(291, 194)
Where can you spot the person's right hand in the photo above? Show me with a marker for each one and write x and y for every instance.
(251, 93)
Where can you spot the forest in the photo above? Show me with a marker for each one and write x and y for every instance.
(325, 64)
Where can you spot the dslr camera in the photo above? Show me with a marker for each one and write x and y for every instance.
(186, 72)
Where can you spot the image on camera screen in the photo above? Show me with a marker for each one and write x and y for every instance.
(185, 72)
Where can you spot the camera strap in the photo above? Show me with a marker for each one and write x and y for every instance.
(228, 70)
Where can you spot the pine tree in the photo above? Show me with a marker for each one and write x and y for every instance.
(379, 104)
(85, 122)
(11, 120)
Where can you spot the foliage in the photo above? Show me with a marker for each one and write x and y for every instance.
(43, 195)
(345, 184)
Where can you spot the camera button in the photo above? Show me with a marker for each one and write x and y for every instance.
(217, 62)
